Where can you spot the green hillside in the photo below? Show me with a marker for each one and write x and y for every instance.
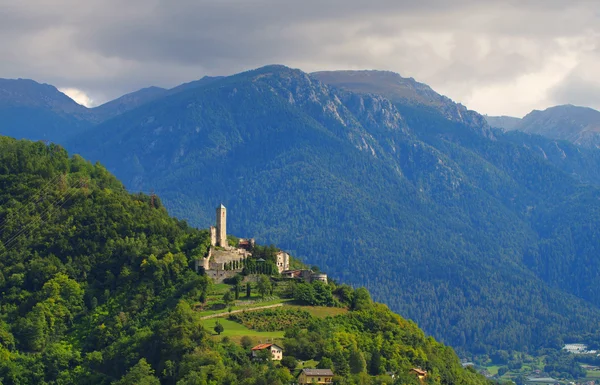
(97, 287)
(449, 223)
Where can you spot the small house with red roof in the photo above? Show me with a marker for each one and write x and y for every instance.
(276, 351)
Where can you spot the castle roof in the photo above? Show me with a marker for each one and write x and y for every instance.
(221, 207)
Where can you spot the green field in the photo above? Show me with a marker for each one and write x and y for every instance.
(593, 374)
(234, 329)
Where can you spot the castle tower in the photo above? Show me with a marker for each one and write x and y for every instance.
(222, 226)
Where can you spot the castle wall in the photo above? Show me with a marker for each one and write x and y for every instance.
(213, 236)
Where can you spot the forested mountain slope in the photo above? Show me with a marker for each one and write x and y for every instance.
(97, 287)
(444, 220)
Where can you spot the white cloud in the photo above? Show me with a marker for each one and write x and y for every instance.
(78, 96)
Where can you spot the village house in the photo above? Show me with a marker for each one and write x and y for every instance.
(421, 374)
(276, 351)
(315, 376)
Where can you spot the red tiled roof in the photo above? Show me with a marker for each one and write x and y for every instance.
(262, 346)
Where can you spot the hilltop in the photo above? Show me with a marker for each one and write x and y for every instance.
(98, 286)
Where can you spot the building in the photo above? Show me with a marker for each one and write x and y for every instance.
(246, 244)
(283, 261)
(307, 276)
(315, 376)
(222, 226)
(421, 374)
(276, 351)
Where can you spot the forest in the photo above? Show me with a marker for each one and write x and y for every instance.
(97, 286)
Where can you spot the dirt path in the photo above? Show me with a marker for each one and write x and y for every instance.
(240, 311)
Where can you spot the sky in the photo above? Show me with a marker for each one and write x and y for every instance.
(496, 57)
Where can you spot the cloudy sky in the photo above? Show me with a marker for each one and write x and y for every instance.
(496, 57)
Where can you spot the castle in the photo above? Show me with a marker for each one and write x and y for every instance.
(224, 260)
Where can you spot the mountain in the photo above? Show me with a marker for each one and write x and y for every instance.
(579, 125)
(98, 287)
(457, 226)
(35, 111)
(126, 102)
(507, 123)
(39, 111)
(403, 91)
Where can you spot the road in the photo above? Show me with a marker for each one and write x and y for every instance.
(240, 311)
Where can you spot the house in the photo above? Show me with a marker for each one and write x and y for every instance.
(315, 376)
(421, 374)
(276, 351)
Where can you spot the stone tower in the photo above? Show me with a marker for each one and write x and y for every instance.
(222, 226)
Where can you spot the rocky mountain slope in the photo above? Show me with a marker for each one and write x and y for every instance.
(403, 91)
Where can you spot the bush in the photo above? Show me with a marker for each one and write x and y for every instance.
(289, 362)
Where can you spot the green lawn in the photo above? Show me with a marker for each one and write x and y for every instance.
(234, 329)
(593, 374)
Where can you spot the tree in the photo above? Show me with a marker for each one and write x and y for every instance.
(228, 298)
(264, 355)
(375, 365)
(289, 362)
(325, 363)
(140, 374)
(218, 328)
(246, 342)
(361, 300)
(264, 285)
(238, 289)
(248, 290)
(357, 361)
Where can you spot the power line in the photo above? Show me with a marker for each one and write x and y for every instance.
(26, 229)
(33, 197)
(11, 242)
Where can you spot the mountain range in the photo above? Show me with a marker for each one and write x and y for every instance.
(579, 125)
(485, 238)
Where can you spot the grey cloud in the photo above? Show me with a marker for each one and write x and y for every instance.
(578, 91)
(108, 47)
